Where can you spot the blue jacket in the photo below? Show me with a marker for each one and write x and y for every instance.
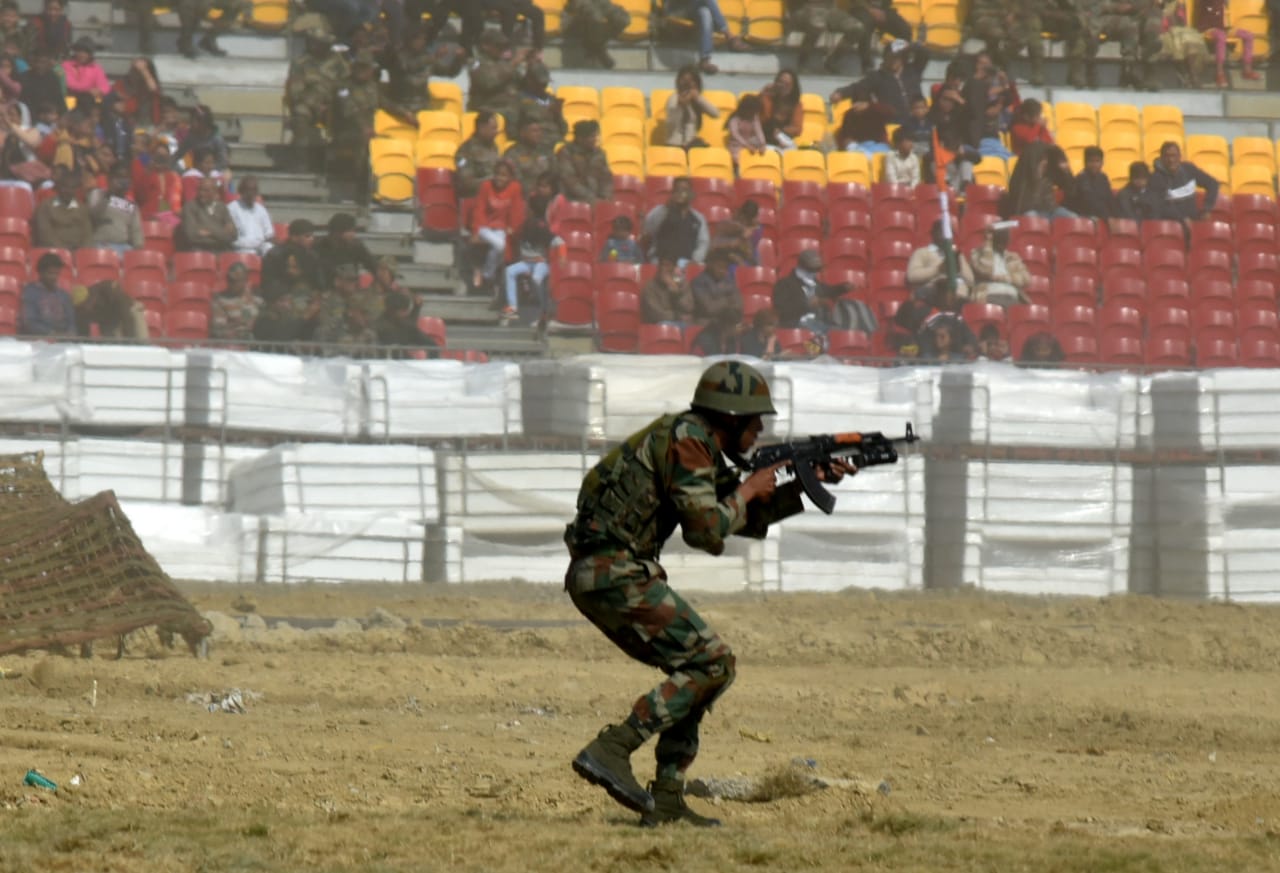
(47, 313)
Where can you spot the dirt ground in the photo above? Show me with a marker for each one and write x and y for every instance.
(953, 731)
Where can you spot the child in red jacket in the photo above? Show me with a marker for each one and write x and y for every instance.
(498, 214)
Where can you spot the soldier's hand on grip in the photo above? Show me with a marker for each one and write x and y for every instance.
(836, 470)
(760, 484)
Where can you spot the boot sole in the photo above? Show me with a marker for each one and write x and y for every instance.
(586, 767)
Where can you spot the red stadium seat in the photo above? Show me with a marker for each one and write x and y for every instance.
(1169, 322)
(709, 192)
(155, 323)
(891, 253)
(902, 196)
(887, 280)
(629, 191)
(1259, 352)
(281, 231)
(146, 291)
(848, 344)
(984, 198)
(575, 217)
(755, 280)
(1213, 352)
(14, 232)
(1070, 255)
(753, 303)
(618, 322)
(603, 214)
(1170, 230)
(1121, 350)
(1036, 258)
(762, 191)
(1211, 236)
(1024, 320)
(795, 217)
(8, 319)
(1254, 237)
(1208, 265)
(251, 261)
(189, 295)
(1258, 265)
(1075, 286)
(850, 222)
(96, 265)
(187, 324)
(1070, 313)
(1124, 290)
(1218, 291)
(1032, 229)
(1169, 292)
(661, 339)
(805, 195)
(1074, 232)
(158, 236)
(1258, 322)
(13, 263)
(16, 202)
(1168, 352)
(790, 248)
(767, 253)
(146, 264)
(196, 267)
(1039, 290)
(847, 196)
(611, 276)
(1077, 348)
(1213, 322)
(10, 292)
(846, 253)
(1160, 262)
(855, 279)
(979, 315)
(1124, 231)
(433, 326)
(439, 201)
(579, 245)
(1254, 208)
(692, 271)
(1116, 319)
(657, 191)
(571, 289)
(1262, 290)
(795, 340)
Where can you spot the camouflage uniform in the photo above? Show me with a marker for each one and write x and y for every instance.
(1008, 26)
(544, 109)
(584, 175)
(347, 320)
(355, 103)
(530, 163)
(1134, 25)
(192, 12)
(410, 90)
(232, 316)
(814, 18)
(493, 87)
(309, 94)
(475, 161)
(593, 23)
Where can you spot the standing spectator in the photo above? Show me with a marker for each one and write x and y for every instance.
(880, 16)
(206, 224)
(117, 220)
(951, 158)
(476, 158)
(999, 275)
(499, 213)
(621, 246)
(1174, 183)
(666, 298)
(255, 233)
(62, 221)
(409, 67)
(537, 104)
(817, 18)
(192, 12)
(592, 24)
(675, 230)
(158, 188)
(709, 21)
(781, 113)
(1211, 20)
(1136, 200)
(47, 309)
(745, 130)
(116, 314)
(1091, 194)
(583, 167)
(717, 305)
(11, 22)
(42, 88)
(50, 31)
(509, 10)
(351, 127)
(308, 91)
(902, 165)
(1028, 126)
(234, 309)
(300, 249)
(342, 245)
(85, 78)
(686, 108)
(927, 267)
(987, 97)
(895, 84)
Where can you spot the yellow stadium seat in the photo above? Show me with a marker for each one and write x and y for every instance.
(386, 124)
(735, 15)
(991, 171)
(765, 166)
(1252, 179)
(625, 160)
(877, 165)
(638, 27)
(1072, 117)
(1251, 15)
(616, 102)
(813, 133)
(814, 106)
(849, 167)
(1117, 170)
(1116, 118)
(658, 102)
(437, 153)
(581, 103)
(553, 13)
(765, 22)
(724, 102)
(655, 132)
(1160, 124)
(441, 125)
(446, 96)
(944, 27)
(622, 130)
(711, 163)
(1211, 154)
(911, 11)
(1254, 150)
(394, 171)
(1074, 142)
(666, 161)
(270, 14)
(804, 165)
(838, 110)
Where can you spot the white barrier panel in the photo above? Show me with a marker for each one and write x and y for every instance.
(826, 396)
(340, 480)
(325, 548)
(144, 386)
(192, 542)
(874, 539)
(281, 393)
(36, 384)
(512, 492)
(443, 399)
(1217, 409)
(1004, 405)
(133, 469)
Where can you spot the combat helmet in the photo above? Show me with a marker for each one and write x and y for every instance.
(733, 388)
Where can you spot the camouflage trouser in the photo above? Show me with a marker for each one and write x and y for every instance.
(814, 21)
(1004, 41)
(595, 29)
(192, 12)
(656, 626)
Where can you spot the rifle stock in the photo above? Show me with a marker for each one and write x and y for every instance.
(805, 456)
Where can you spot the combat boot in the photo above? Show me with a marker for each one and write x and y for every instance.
(606, 761)
(209, 42)
(669, 807)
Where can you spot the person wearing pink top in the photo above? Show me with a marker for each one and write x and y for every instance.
(85, 76)
(745, 130)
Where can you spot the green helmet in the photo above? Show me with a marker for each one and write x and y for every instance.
(733, 388)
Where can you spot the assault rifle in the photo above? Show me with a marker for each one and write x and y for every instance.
(804, 456)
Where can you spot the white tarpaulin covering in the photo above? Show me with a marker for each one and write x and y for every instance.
(326, 548)
(443, 399)
(829, 397)
(36, 385)
(193, 542)
(128, 384)
(1216, 409)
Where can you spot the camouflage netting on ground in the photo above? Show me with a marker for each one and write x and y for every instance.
(76, 572)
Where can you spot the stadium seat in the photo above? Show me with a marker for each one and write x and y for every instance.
(796, 341)
(1123, 231)
(575, 217)
(436, 153)
(638, 27)
(610, 277)
(1211, 235)
(446, 95)
(392, 126)
(767, 253)
(15, 232)
(713, 163)
(1077, 347)
(13, 263)
(605, 211)
(848, 344)
(804, 165)
(11, 291)
(753, 303)
(579, 103)
(979, 315)
(1251, 236)
(251, 262)
(755, 280)
(571, 289)
(1168, 291)
(622, 130)
(1124, 290)
(661, 339)
(96, 265)
(846, 253)
(1074, 142)
(1164, 263)
(579, 245)
(1257, 208)
(1252, 179)
(761, 191)
(891, 253)
(1161, 123)
(190, 296)
(848, 196)
(790, 248)
(1027, 317)
(765, 22)
(1069, 254)
(1068, 117)
(622, 102)
(1074, 288)
(1118, 119)
(1032, 229)
(1122, 258)
(1211, 154)
(1257, 321)
(433, 327)
(1155, 230)
(187, 324)
(1214, 320)
(991, 170)
(1259, 352)
(853, 167)
(1261, 290)
(394, 169)
(16, 202)
(796, 216)
(1034, 257)
(1213, 351)
(440, 125)
(34, 255)
(1116, 319)
(1208, 265)
(617, 322)
(1119, 350)
(1258, 265)
(1245, 150)
(766, 166)
(1039, 290)
(158, 237)
(196, 267)
(1074, 232)
(149, 292)
(666, 161)
(1168, 352)
(439, 200)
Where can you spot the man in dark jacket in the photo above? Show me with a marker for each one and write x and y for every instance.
(342, 246)
(300, 246)
(896, 83)
(717, 305)
(801, 299)
(1091, 195)
(1174, 183)
(675, 229)
(1136, 200)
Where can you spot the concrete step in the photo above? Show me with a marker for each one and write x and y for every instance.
(512, 341)
(241, 101)
(257, 157)
(240, 45)
(470, 311)
(290, 187)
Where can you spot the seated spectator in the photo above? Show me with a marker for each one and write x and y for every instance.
(202, 168)
(912, 325)
(709, 20)
(206, 224)
(1028, 126)
(999, 275)
(298, 249)
(1091, 194)
(927, 269)
(1041, 349)
(686, 108)
(902, 165)
(18, 162)
(116, 314)
(158, 188)
(398, 326)
(761, 341)
(202, 134)
(76, 145)
(1043, 173)
(918, 127)
(10, 20)
(1211, 20)
(895, 84)
(347, 314)
(583, 167)
(530, 269)
(1185, 46)
(988, 96)
(528, 155)
(952, 158)
(801, 299)
(666, 298)
(342, 245)
(1136, 200)
(386, 276)
(50, 31)
(116, 218)
(47, 309)
(62, 221)
(11, 48)
(10, 87)
(498, 214)
(675, 230)
(621, 246)
(477, 157)
(234, 309)
(991, 345)
(717, 305)
(140, 94)
(173, 126)
(864, 125)
(42, 87)
(781, 114)
(745, 132)
(946, 339)
(740, 234)
(84, 76)
(255, 234)
(284, 318)
(1174, 182)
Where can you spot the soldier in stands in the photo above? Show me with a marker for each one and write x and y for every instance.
(354, 105)
(477, 157)
(583, 167)
(593, 23)
(192, 12)
(671, 474)
(495, 78)
(538, 103)
(313, 80)
(409, 68)
(1135, 24)
(342, 246)
(815, 18)
(347, 314)
(300, 249)
(234, 310)
(1007, 27)
(528, 156)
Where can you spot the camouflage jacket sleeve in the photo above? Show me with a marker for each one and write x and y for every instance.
(785, 503)
(572, 184)
(603, 175)
(692, 467)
